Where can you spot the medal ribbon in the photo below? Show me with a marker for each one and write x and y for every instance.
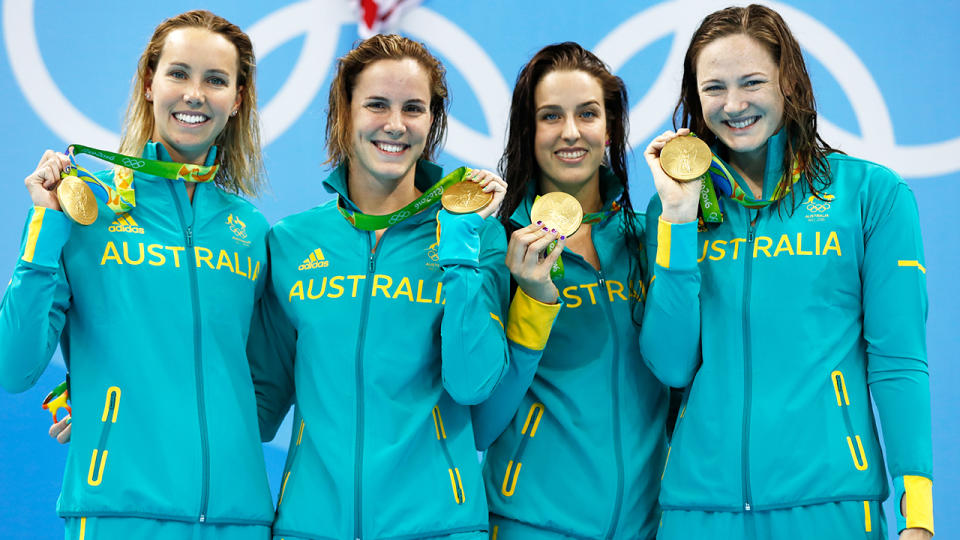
(120, 196)
(556, 271)
(368, 222)
(719, 179)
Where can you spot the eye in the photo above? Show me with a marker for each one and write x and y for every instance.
(414, 108)
(177, 74)
(753, 83)
(217, 81)
(711, 89)
(376, 105)
(549, 117)
(589, 114)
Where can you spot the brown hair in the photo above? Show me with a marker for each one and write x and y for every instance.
(368, 51)
(764, 25)
(241, 162)
(519, 166)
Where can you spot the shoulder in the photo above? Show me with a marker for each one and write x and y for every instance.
(853, 171)
(307, 220)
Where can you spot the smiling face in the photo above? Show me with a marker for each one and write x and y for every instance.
(193, 90)
(571, 130)
(390, 120)
(739, 89)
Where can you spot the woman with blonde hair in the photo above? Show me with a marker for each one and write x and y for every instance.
(150, 296)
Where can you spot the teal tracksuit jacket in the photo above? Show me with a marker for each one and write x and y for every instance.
(151, 309)
(805, 315)
(381, 346)
(582, 455)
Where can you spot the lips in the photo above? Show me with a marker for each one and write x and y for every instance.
(391, 148)
(742, 123)
(191, 118)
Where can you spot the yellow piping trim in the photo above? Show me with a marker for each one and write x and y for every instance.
(866, 516)
(669, 448)
(853, 454)
(463, 497)
(454, 483)
(663, 243)
(438, 423)
(535, 407)
(834, 376)
(493, 535)
(529, 321)
(506, 477)
(33, 232)
(93, 463)
(494, 317)
(116, 405)
(83, 527)
(300, 435)
(283, 487)
(918, 492)
(682, 412)
(912, 263)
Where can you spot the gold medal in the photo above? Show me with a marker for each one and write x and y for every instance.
(685, 158)
(558, 210)
(77, 200)
(465, 197)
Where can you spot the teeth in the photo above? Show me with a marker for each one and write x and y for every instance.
(571, 154)
(738, 124)
(392, 148)
(190, 118)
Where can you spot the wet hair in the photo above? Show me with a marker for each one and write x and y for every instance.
(239, 155)
(767, 28)
(519, 166)
(349, 67)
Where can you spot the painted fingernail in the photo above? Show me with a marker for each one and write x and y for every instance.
(546, 229)
(562, 237)
(539, 223)
(553, 230)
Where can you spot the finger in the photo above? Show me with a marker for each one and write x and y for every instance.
(520, 242)
(550, 259)
(64, 436)
(58, 427)
(47, 154)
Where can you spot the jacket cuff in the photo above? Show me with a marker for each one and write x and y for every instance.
(677, 245)
(529, 321)
(47, 232)
(918, 492)
(460, 240)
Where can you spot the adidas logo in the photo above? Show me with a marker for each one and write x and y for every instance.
(315, 260)
(125, 223)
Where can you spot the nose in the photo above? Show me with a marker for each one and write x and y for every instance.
(194, 96)
(570, 132)
(395, 126)
(734, 103)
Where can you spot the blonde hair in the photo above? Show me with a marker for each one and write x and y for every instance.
(382, 47)
(241, 162)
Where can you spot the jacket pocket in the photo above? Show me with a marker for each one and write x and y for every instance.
(854, 443)
(529, 431)
(290, 463)
(456, 483)
(98, 461)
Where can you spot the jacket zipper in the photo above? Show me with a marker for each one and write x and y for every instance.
(197, 353)
(615, 402)
(747, 364)
(358, 449)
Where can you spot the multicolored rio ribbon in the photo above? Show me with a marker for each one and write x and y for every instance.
(120, 196)
(719, 179)
(369, 222)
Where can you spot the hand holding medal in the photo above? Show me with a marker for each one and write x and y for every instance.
(480, 191)
(677, 162)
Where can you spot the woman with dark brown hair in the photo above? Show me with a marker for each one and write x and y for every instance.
(585, 427)
(812, 300)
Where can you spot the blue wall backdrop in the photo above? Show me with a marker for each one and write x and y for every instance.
(885, 76)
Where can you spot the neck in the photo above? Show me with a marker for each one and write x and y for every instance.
(751, 166)
(587, 193)
(193, 158)
(377, 196)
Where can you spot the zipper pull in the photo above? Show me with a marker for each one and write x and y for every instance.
(371, 265)
(750, 235)
(189, 235)
(203, 518)
(600, 279)
(746, 506)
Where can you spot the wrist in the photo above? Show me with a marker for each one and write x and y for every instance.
(546, 293)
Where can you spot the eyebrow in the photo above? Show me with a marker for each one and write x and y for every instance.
(382, 98)
(183, 65)
(747, 76)
(580, 106)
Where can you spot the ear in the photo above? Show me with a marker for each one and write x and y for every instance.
(148, 86)
(236, 102)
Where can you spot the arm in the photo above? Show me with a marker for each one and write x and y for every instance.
(34, 305)
(894, 326)
(473, 342)
(271, 350)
